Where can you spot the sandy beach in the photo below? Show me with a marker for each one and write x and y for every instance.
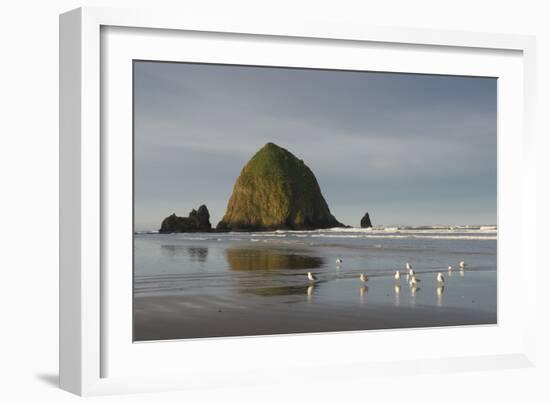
(196, 286)
(180, 317)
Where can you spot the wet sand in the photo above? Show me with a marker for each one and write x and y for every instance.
(219, 285)
(303, 311)
(154, 322)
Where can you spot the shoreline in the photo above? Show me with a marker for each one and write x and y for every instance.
(345, 228)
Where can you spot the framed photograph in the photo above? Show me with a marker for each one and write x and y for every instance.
(238, 196)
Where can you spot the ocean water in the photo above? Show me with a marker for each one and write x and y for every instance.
(184, 282)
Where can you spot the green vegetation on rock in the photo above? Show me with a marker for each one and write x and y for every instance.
(276, 190)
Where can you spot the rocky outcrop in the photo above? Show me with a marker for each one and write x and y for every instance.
(198, 221)
(365, 221)
(276, 190)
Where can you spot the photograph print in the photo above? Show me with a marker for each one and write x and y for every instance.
(275, 200)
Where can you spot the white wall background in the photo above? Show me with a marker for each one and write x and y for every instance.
(29, 201)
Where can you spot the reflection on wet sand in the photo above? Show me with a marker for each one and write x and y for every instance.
(362, 292)
(397, 290)
(310, 292)
(439, 292)
(251, 259)
(280, 291)
(198, 254)
(259, 260)
(195, 253)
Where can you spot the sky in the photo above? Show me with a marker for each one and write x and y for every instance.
(409, 149)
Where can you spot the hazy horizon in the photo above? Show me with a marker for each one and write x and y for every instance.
(409, 149)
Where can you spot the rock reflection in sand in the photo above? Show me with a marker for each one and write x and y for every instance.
(195, 253)
(251, 259)
(280, 291)
(260, 260)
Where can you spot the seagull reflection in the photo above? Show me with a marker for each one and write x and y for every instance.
(362, 291)
(414, 290)
(461, 272)
(397, 290)
(310, 292)
(439, 292)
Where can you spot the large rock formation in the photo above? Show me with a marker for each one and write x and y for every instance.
(198, 221)
(365, 221)
(276, 190)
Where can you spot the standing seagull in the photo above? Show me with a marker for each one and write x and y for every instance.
(462, 265)
(311, 277)
(363, 278)
(339, 261)
(397, 275)
(408, 266)
(440, 278)
(450, 268)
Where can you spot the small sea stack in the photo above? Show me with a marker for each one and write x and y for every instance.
(365, 221)
(198, 221)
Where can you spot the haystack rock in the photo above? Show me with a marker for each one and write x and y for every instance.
(365, 221)
(276, 190)
(198, 221)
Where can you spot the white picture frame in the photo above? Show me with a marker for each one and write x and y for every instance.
(96, 356)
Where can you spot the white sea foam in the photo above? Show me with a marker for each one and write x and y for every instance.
(488, 232)
(405, 236)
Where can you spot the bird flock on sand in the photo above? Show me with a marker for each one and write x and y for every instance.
(409, 273)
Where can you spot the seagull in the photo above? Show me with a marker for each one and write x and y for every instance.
(339, 261)
(440, 278)
(397, 275)
(411, 272)
(450, 268)
(311, 277)
(363, 278)
(414, 280)
(408, 266)
(462, 265)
